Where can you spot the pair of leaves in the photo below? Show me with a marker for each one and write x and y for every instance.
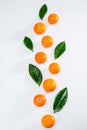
(58, 51)
(61, 47)
(61, 97)
(35, 71)
(27, 41)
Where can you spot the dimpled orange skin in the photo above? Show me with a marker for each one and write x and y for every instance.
(39, 28)
(40, 57)
(39, 100)
(48, 121)
(54, 68)
(47, 41)
(53, 18)
(49, 85)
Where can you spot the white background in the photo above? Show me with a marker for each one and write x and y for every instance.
(17, 89)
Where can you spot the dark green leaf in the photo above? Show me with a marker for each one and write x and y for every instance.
(28, 43)
(59, 49)
(36, 74)
(60, 100)
(43, 11)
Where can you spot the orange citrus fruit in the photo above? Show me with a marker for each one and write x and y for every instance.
(53, 18)
(54, 68)
(47, 41)
(39, 28)
(49, 85)
(40, 57)
(39, 100)
(47, 121)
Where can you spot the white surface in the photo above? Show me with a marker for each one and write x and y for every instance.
(17, 89)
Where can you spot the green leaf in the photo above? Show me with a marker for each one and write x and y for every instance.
(43, 11)
(36, 74)
(59, 49)
(60, 100)
(28, 43)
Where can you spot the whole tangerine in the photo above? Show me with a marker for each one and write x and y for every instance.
(53, 18)
(49, 85)
(39, 28)
(54, 68)
(39, 100)
(40, 57)
(48, 121)
(47, 41)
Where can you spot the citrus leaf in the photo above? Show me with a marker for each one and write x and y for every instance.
(35, 73)
(28, 43)
(43, 11)
(60, 100)
(59, 49)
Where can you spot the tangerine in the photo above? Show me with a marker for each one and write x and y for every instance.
(53, 18)
(39, 28)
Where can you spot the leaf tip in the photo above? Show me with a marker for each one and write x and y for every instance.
(32, 50)
(39, 84)
(54, 111)
(64, 43)
(25, 37)
(29, 66)
(55, 57)
(66, 88)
